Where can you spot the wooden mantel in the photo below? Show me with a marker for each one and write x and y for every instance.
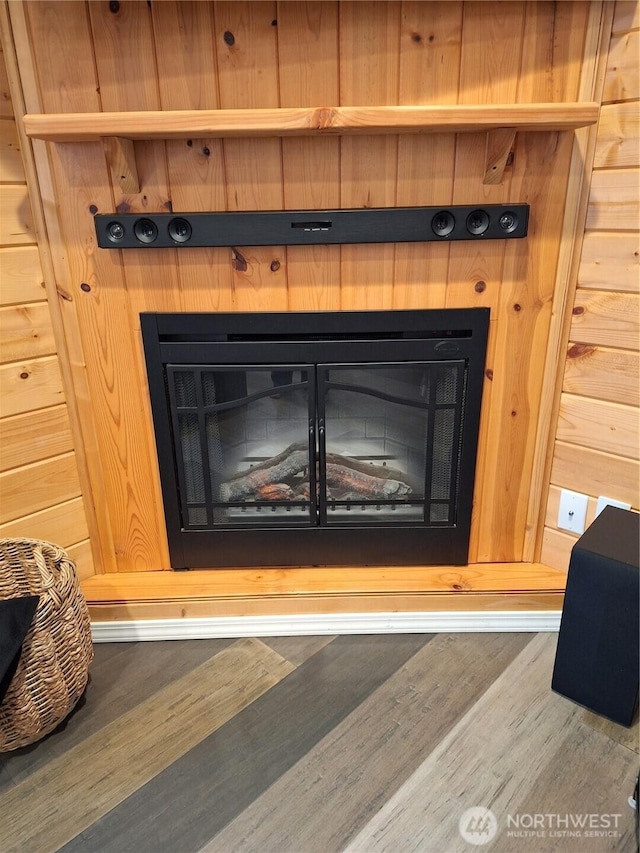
(306, 121)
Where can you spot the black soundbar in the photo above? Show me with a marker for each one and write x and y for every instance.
(312, 227)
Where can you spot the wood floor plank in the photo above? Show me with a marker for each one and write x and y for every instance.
(191, 801)
(491, 758)
(297, 649)
(66, 796)
(121, 676)
(587, 775)
(330, 794)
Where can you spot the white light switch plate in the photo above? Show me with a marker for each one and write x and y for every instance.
(603, 502)
(572, 512)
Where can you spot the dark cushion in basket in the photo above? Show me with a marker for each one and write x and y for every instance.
(16, 615)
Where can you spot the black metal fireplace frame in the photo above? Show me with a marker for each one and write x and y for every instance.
(294, 338)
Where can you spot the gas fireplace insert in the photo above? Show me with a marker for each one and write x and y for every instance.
(317, 438)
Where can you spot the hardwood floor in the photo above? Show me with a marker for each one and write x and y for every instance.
(298, 745)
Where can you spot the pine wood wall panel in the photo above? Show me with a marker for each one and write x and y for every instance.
(61, 36)
(246, 38)
(21, 276)
(610, 261)
(308, 75)
(197, 55)
(603, 373)
(597, 438)
(37, 457)
(32, 436)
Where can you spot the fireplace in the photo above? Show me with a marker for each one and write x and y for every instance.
(316, 438)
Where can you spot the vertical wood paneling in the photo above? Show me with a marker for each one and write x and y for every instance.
(430, 43)
(265, 54)
(308, 76)
(61, 37)
(246, 42)
(368, 75)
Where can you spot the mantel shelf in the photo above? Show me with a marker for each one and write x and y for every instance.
(309, 121)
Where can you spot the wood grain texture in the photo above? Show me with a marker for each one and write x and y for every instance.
(173, 720)
(368, 756)
(29, 385)
(16, 221)
(32, 436)
(608, 318)
(21, 276)
(594, 472)
(82, 556)
(622, 82)
(313, 699)
(610, 261)
(455, 773)
(618, 143)
(11, 168)
(600, 425)
(613, 203)
(114, 690)
(602, 373)
(369, 119)
(627, 16)
(38, 486)
(26, 332)
(64, 523)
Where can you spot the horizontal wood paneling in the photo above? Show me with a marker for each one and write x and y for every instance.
(603, 373)
(607, 318)
(627, 16)
(11, 168)
(556, 548)
(21, 276)
(38, 486)
(622, 82)
(16, 221)
(618, 136)
(610, 261)
(83, 558)
(613, 203)
(610, 427)
(30, 385)
(64, 524)
(35, 435)
(595, 473)
(26, 332)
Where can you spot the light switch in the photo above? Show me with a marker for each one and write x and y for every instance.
(603, 502)
(572, 513)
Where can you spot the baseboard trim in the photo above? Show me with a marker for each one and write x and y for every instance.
(320, 623)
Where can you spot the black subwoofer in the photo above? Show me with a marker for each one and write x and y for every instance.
(597, 658)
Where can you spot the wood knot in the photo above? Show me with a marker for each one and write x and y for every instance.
(580, 350)
(229, 38)
(86, 287)
(517, 307)
(93, 209)
(489, 374)
(480, 286)
(114, 7)
(123, 207)
(416, 37)
(238, 261)
(275, 265)
(25, 374)
(578, 310)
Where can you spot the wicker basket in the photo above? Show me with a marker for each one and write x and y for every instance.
(54, 664)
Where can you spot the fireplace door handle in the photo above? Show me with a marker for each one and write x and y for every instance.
(322, 458)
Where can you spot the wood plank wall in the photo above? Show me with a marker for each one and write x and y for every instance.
(597, 448)
(84, 57)
(40, 495)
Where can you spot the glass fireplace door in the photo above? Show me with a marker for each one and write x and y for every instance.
(245, 445)
(389, 442)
